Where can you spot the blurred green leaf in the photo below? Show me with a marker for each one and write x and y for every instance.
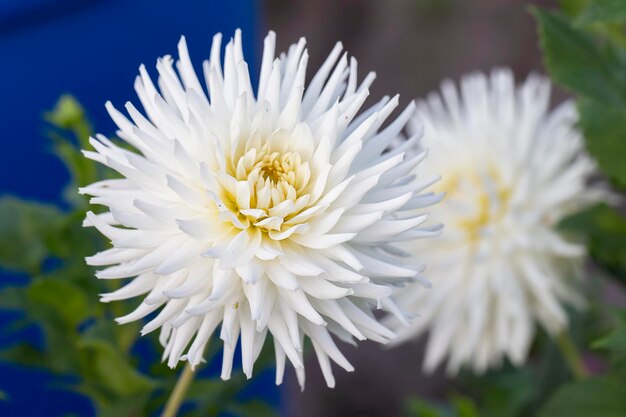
(616, 340)
(68, 116)
(605, 231)
(464, 406)
(505, 393)
(60, 297)
(22, 354)
(252, 409)
(206, 390)
(3, 396)
(73, 242)
(603, 11)
(59, 352)
(129, 406)
(594, 397)
(573, 7)
(12, 298)
(211, 396)
(575, 61)
(27, 229)
(106, 366)
(82, 172)
(605, 130)
(417, 407)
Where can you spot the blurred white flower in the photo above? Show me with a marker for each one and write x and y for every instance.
(511, 170)
(270, 212)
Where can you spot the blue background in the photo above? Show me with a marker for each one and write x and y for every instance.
(92, 50)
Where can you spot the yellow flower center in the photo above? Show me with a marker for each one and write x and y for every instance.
(478, 200)
(277, 167)
(266, 188)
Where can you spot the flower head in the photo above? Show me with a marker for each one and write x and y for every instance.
(511, 170)
(270, 212)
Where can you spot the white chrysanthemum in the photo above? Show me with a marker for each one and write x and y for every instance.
(511, 170)
(270, 212)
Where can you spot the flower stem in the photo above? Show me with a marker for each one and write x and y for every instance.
(178, 395)
(571, 355)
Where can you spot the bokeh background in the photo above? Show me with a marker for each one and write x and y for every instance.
(92, 49)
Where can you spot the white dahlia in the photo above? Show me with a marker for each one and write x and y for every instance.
(276, 211)
(511, 170)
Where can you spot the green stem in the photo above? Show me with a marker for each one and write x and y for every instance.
(178, 395)
(571, 355)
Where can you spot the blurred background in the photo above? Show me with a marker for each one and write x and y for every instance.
(92, 49)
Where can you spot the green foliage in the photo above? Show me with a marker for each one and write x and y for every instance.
(604, 11)
(613, 344)
(506, 393)
(592, 63)
(616, 340)
(252, 409)
(577, 62)
(417, 407)
(585, 52)
(27, 230)
(110, 370)
(605, 230)
(69, 117)
(572, 7)
(605, 131)
(597, 397)
(460, 406)
(61, 299)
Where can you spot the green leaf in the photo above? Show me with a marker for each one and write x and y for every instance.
(60, 297)
(573, 7)
(123, 337)
(504, 392)
(73, 242)
(3, 396)
(22, 354)
(417, 407)
(27, 229)
(605, 231)
(603, 11)
(605, 132)
(129, 406)
(575, 61)
(464, 406)
(252, 409)
(616, 340)
(597, 397)
(82, 170)
(12, 298)
(69, 115)
(109, 368)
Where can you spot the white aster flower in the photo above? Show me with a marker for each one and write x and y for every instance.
(511, 170)
(275, 211)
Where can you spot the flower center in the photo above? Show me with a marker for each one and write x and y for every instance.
(277, 167)
(478, 200)
(266, 188)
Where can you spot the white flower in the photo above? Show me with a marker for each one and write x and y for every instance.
(511, 170)
(275, 211)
